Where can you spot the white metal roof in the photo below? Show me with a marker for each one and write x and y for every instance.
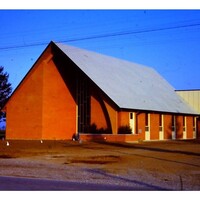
(128, 84)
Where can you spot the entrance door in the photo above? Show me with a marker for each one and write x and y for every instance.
(173, 135)
(161, 132)
(147, 135)
(161, 135)
(147, 126)
(184, 135)
(132, 122)
(173, 127)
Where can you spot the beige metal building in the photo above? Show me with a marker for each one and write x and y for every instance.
(192, 98)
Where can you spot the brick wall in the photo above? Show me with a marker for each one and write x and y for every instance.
(24, 109)
(154, 126)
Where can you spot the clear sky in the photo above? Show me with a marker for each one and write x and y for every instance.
(166, 40)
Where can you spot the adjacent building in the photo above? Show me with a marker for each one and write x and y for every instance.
(192, 98)
(70, 90)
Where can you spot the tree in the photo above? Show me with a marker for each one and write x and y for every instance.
(5, 90)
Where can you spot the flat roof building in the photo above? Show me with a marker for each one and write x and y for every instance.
(191, 97)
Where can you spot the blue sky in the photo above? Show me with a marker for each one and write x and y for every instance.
(166, 40)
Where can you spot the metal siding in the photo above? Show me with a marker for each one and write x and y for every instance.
(129, 85)
(192, 98)
(196, 100)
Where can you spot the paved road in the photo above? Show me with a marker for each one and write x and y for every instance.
(31, 184)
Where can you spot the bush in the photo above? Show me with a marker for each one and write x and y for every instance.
(93, 129)
(124, 130)
(2, 134)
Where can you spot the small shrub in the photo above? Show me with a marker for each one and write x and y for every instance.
(93, 129)
(124, 130)
(2, 134)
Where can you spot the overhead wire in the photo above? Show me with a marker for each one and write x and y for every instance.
(106, 35)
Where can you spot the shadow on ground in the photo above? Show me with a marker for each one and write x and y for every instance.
(141, 185)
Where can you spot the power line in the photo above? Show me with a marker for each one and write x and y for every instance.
(104, 36)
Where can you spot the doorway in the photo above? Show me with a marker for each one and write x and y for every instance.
(132, 121)
(147, 125)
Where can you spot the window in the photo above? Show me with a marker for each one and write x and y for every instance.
(83, 101)
(194, 123)
(160, 122)
(184, 118)
(173, 122)
(136, 124)
(131, 115)
(146, 121)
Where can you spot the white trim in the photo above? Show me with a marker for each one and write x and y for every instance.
(161, 132)
(185, 131)
(132, 122)
(195, 128)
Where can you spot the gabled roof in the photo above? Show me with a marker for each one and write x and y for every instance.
(129, 85)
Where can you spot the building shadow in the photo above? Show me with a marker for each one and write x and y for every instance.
(143, 186)
(123, 145)
(148, 148)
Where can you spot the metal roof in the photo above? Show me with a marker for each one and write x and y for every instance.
(129, 85)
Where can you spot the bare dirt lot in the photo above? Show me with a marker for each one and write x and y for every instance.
(167, 165)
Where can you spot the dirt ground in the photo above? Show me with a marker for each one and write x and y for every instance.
(166, 165)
